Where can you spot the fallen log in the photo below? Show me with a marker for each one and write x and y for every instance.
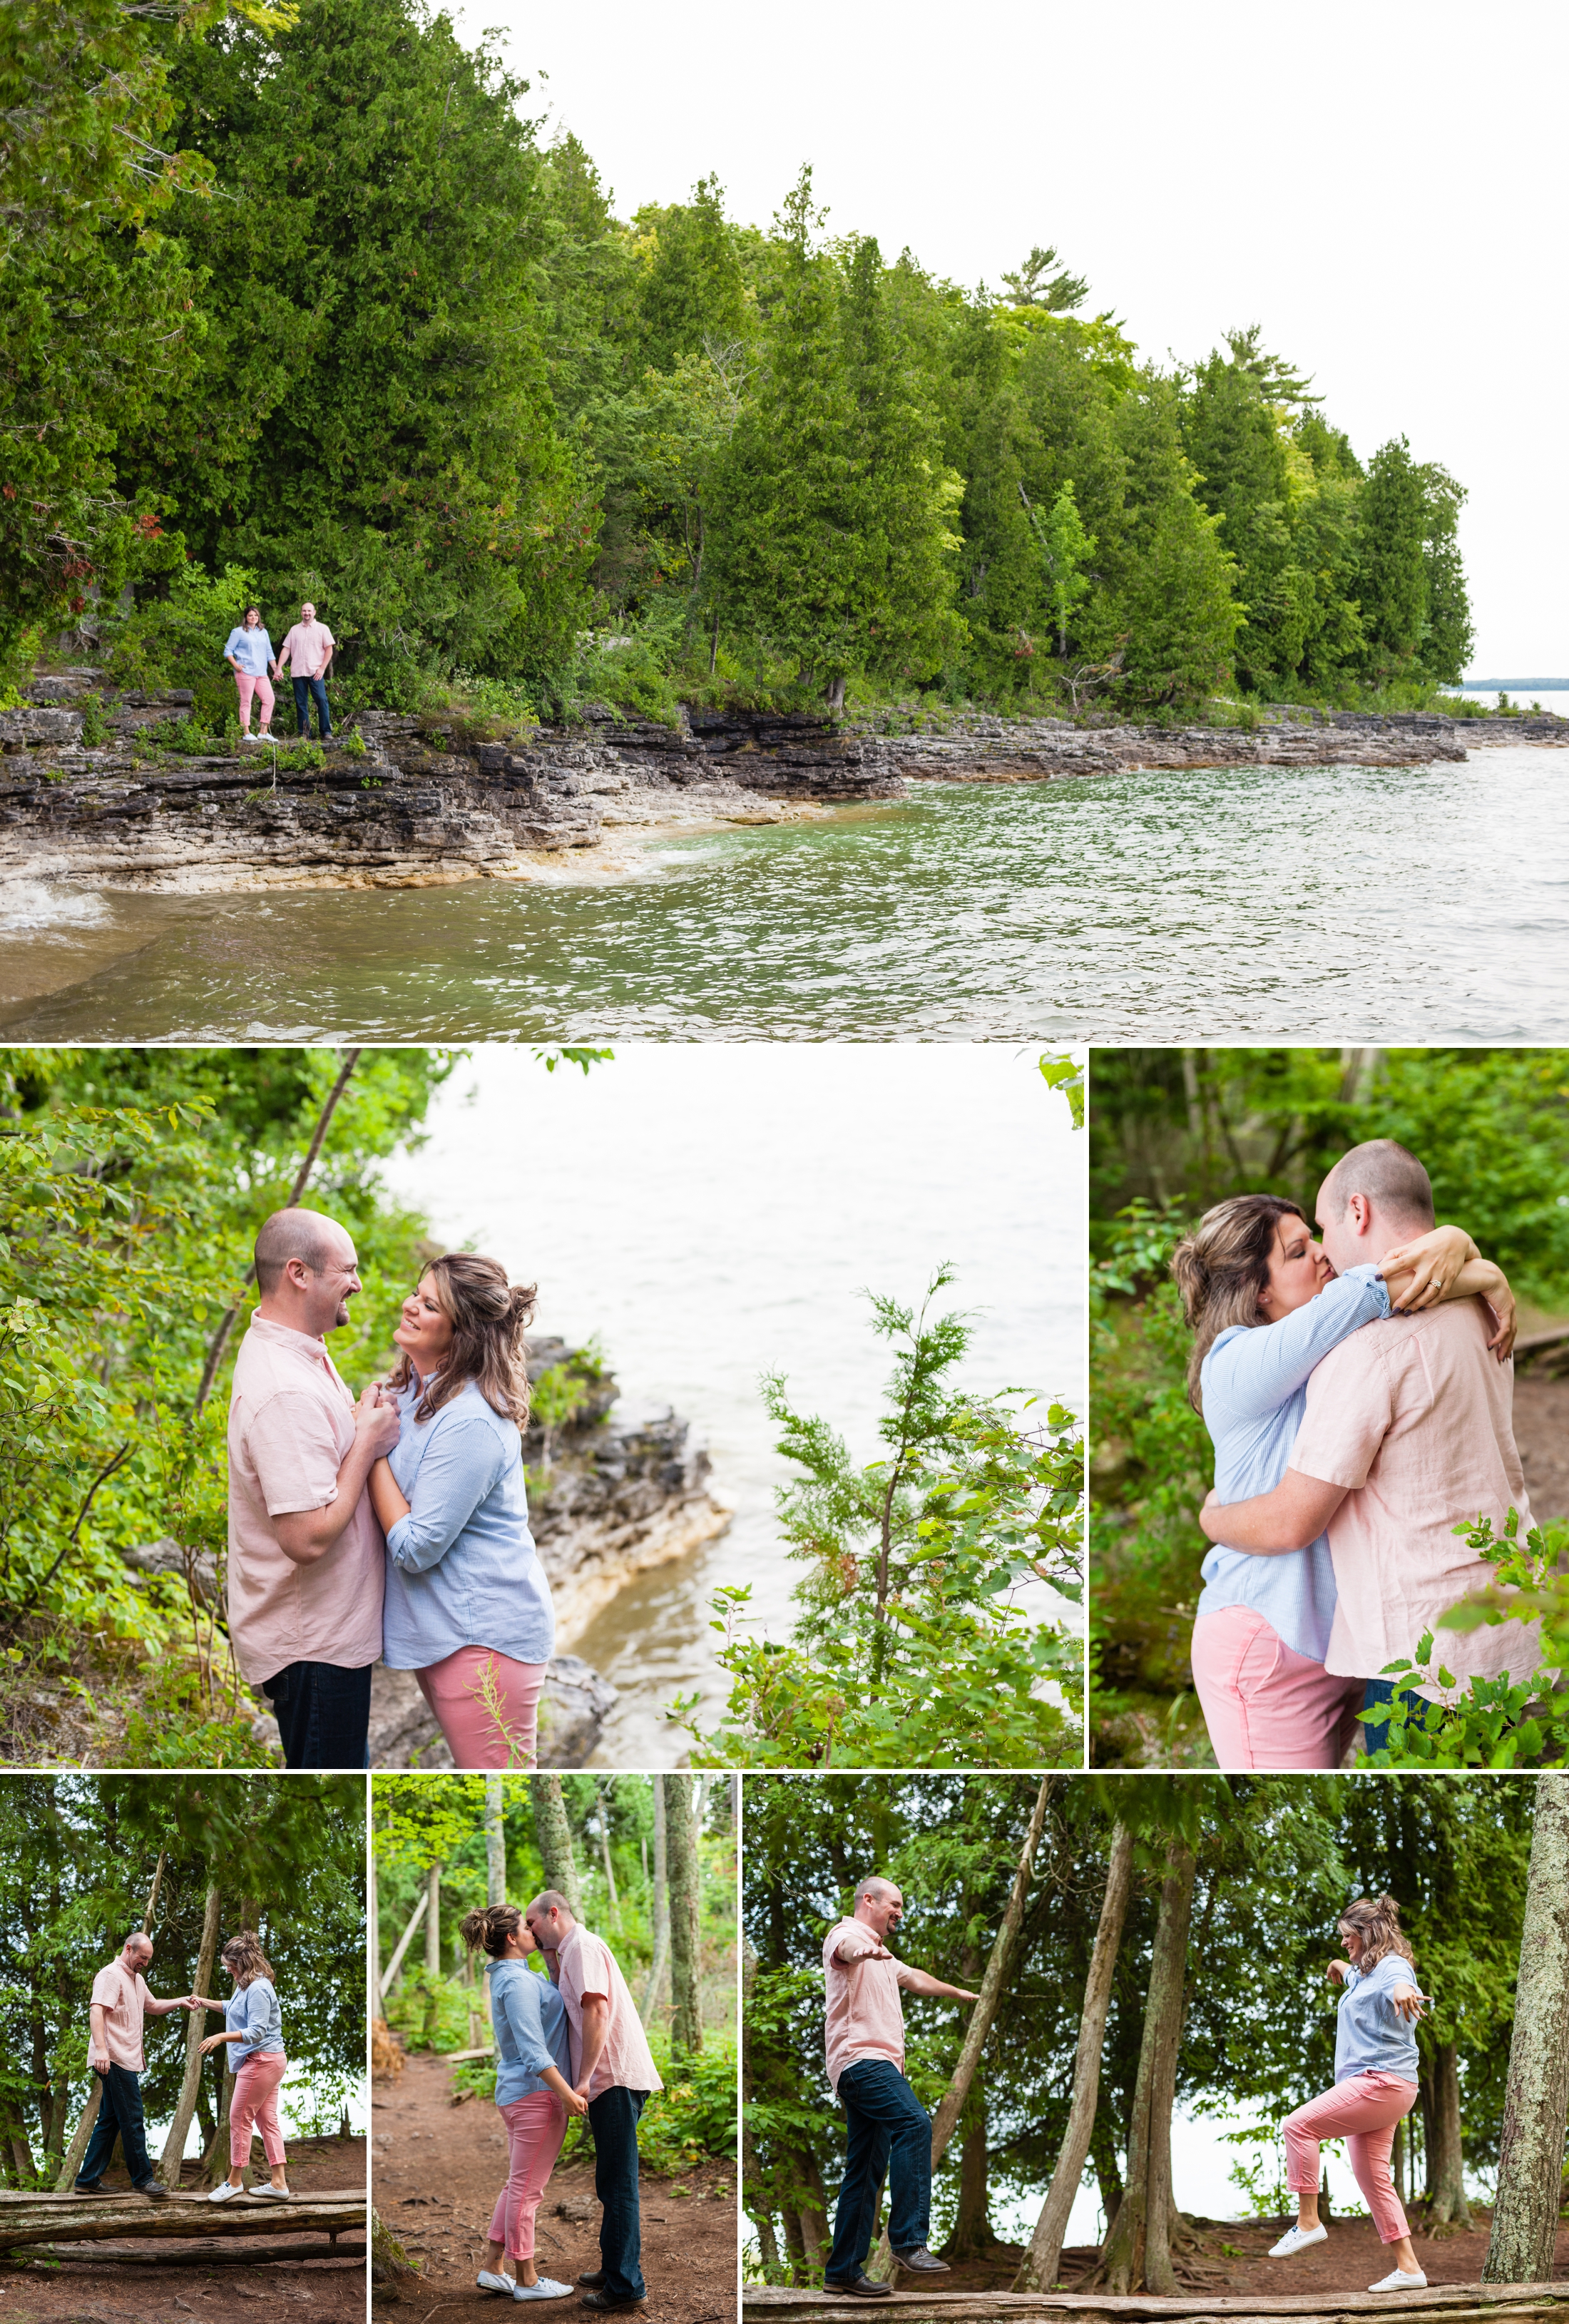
(27, 2219)
(217, 2255)
(1457, 2303)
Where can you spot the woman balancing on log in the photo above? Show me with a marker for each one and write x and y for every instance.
(254, 2025)
(1375, 2086)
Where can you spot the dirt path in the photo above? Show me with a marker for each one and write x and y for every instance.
(437, 2170)
(103, 2289)
(1542, 1433)
(1234, 2258)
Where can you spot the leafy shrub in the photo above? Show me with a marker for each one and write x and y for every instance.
(95, 727)
(179, 639)
(195, 1742)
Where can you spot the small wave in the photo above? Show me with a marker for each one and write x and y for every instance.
(34, 904)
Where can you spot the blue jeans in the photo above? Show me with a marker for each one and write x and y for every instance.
(889, 2130)
(613, 2116)
(1382, 1690)
(304, 687)
(323, 1714)
(119, 2111)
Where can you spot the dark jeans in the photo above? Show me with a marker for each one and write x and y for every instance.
(889, 2130)
(1383, 1691)
(613, 2116)
(304, 688)
(119, 2110)
(323, 1714)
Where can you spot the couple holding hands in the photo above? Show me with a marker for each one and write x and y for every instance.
(395, 1529)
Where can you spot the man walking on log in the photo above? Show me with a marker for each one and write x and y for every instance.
(120, 1999)
(307, 1562)
(615, 2072)
(889, 2130)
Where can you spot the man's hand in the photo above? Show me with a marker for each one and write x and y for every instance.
(98, 2059)
(376, 1420)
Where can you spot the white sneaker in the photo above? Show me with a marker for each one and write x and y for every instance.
(544, 2290)
(1398, 2281)
(1295, 2239)
(489, 2282)
(223, 2191)
(248, 737)
(278, 2194)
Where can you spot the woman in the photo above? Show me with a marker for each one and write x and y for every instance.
(249, 654)
(533, 2095)
(1375, 2086)
(1265, 1306)
(256, 2026)
(467, 1606)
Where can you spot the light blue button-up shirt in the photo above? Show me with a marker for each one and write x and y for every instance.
(462, 1569)
(528, 2018)
(1254, 1385)
(1370, 2036)
(253, 2011)
(252, 648)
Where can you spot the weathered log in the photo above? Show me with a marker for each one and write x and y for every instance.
(1459, 2303)
(47, 2219)
(211, 2255)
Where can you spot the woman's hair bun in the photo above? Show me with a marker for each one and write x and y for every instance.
(490, 1926)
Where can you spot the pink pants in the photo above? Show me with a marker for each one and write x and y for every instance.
(1364, 2112)
(477, 1735)
(256, 2102)
(1266, 1705)
(262, 688)
(536, 2125)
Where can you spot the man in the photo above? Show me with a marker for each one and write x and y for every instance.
(120, 1999)
(308, 650)
(1407, 1434)
(615, 2072)
(307, 1560)
(889, 2130)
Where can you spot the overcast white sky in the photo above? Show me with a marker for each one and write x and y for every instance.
(1379, 185)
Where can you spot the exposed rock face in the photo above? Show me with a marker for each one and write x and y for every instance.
(610, 1496)
(433, 800)
(429, 800)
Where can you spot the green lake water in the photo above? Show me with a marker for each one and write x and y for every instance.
(1408, 904)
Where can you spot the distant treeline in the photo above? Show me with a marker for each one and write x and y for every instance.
(300, 297)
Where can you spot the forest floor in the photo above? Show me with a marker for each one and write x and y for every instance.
(439, 2165)
(106, 2290)
(1234, 2258)
(1542, 1433)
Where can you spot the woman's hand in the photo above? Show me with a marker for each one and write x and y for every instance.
(1336, 1971)
(213, 2042)
(575, 2103)
(1425, 1268)
(1209, 1516)
(377, 1420)
(1407, 2002)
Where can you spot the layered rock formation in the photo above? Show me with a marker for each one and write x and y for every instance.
(611, 1496)
(412, 801)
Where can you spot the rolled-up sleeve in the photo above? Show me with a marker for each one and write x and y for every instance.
(457, 1472)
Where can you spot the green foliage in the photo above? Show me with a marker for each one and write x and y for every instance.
(911, 1646)
(177, 640)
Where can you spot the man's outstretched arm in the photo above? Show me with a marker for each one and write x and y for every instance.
(916, 1980)
(1295, 1513)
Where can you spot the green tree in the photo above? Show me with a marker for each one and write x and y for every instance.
(1393, 589)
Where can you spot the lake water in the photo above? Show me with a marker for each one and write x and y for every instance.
(712, 1212)
(1347, 903)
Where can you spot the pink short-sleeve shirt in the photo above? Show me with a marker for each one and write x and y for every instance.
(586, 1964)
(1416, 1419)
(122, 1997)
(865, 2017)
(306, 648)
(291, 1423)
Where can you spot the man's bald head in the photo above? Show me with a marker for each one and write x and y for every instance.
(305, 1235)
(878, 1903)
(1377, 1196)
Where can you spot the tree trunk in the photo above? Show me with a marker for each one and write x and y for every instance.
(880, 2264)
(681, 1850)
(814, 2211)
(388, 1975)
(795, 2245)
(1445, 2157)
(1108, 2168)
(1136, 2255)
(972, 2237)
(496, 1843)
(1037, 2271)
(194, 2034)
(374, 1944)
(1530, 2167)
(604, 1852)
(836, 696)
(553, 1834)
(433, 1920)
(215, 2163)
(661, 1907)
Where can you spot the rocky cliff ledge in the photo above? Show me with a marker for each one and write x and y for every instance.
(611, 1496)
(408, 801)
(412, 801)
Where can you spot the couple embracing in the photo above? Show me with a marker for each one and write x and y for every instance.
(396, 1529)
(568, 2043)
(1357, 1391)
